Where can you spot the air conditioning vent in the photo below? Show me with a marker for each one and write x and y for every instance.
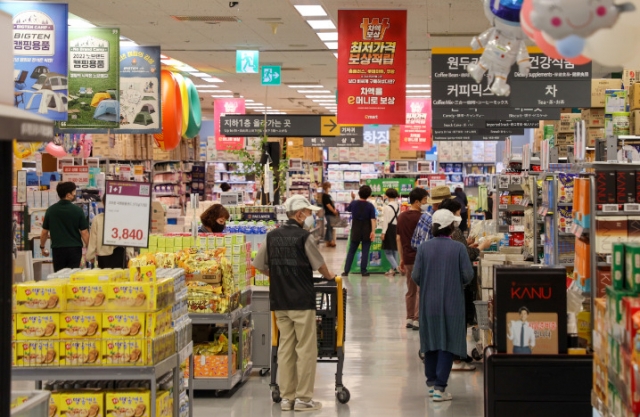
(207, 19)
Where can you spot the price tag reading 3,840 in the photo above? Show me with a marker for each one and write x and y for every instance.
(127, 214)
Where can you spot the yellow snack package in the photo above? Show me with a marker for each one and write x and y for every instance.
(138, 296)
(130, 403)
(89, 404)
(54, 405)
(75, 325)
(86, 296)
(81, 352)
(145, 273)
(40, 297)
(123, 325)
(118, 352)
(37, 326)
(38, 353)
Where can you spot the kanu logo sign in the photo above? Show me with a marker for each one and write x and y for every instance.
(531, 292)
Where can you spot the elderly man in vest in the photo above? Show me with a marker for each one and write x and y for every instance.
(289, 257)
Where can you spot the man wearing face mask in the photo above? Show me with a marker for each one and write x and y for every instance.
(289, 257)
(214, 219)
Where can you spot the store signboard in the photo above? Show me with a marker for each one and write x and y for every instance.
(415, 134)
(287, 126)
(94, 80)
(223, 108)
(140, 81)
(376, 134)
(127, 214)
(550, 83)
(372, 61)
(40, 57)
(247, 62)
(474, 134)
(337, 142)
(271, 75)
(402, 185)
(483, 117)
(77, 174)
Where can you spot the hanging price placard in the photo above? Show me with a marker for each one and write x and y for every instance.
(127, 214)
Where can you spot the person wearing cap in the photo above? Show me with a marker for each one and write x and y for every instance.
(289, 258)
(423, 229)
(441, 270)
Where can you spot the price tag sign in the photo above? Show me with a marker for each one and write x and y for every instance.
(127, 214)
(78, 174)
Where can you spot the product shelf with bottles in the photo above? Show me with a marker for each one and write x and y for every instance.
(467, 174)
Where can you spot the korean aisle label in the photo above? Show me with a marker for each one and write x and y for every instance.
(127, 214)
(372, 61)
(40, 57)
(402, 185)
(221, 108)
(140, 85)
(415, 135)
(94, 79)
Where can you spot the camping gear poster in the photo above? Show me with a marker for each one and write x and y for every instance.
(415, 135)
(94, 77)
(372, 66)
(140, 87)
(40, 57)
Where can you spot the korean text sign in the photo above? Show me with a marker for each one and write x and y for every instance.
(127, 214)
(221, 108)
(40, 57)
(415, 134)
(372, 66)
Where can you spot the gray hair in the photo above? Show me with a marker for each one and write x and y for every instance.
(292, 214)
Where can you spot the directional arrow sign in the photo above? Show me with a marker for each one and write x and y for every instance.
(287, 126)
(271, 75)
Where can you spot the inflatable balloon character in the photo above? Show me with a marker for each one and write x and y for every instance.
(571, 22)
(503, 46)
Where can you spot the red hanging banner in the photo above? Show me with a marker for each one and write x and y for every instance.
(372, 66)
(415, 134)
(223, 107)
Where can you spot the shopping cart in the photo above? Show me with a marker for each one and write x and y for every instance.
(484, 323)
(331, 311)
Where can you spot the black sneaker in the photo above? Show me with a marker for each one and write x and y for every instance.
(345, 275)
(366, 274)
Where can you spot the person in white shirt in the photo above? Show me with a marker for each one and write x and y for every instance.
(389, 230)
(522, 334)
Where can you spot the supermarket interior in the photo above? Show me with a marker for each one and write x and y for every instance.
(341, 207)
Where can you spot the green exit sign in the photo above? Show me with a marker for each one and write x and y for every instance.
(271, 75)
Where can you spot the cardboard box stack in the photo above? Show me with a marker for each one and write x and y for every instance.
(394, 147)
(88, 400)
(158, 217)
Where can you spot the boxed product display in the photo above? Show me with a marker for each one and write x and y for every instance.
(130, 403)
(80, 325)
(606, 187)
(593, 117)
(599, 88)
(81, 352)
(632, 267)
(615, 101)
(37, 326)
(35, 297)
(626, 187)
(634, 97)
(37, 353)
(610, 230)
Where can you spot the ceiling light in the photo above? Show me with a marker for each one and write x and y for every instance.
(328, 36)
(310, 11)
(306, 86)
(418, 85)
(208, 91)
(418, 91)
(418, 96)
(331, 45)
(336, 55)
(163, 56)
(187, 68)
(222, 95)
(248, 101)
(206, 86)
(212, 80)
(128, 43)
(324, 101)
(223, 91)
(253, 104)
(322, 96)
(313, 91)
(201, 74)
(321, 24)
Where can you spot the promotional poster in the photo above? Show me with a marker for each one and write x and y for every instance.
(140, 86)
(530, 310)
(222, 107)
(94, 79)
(415, 134)
(40, 57)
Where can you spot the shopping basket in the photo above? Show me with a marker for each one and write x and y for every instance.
(331, 311)
(482, 315)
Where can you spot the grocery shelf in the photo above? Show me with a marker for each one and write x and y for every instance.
(211, 318)
(220, 384)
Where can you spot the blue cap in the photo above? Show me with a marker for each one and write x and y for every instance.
(508, 10)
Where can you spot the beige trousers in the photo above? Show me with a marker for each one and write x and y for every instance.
(297, 353)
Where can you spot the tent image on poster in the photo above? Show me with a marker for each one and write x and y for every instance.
(47, 100)
(51, 81)
(38, 71)
(99, 97)
(107, 111)
(148, 108)
(143, 118)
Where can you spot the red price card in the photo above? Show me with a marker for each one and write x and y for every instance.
(127, 214)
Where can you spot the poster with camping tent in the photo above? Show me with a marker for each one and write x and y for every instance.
(94, 80)
(140, 89)
(40, 57)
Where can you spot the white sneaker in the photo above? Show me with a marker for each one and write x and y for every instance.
(286, 405)
(431, 392)
(307, 406)
(409, 324)
(439, 396)
(463, 367)
(416, 325)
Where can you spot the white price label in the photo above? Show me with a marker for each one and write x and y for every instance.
(632, 207)
(610, 208)
(127, 214)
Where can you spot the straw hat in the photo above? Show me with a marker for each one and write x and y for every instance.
(439, 194)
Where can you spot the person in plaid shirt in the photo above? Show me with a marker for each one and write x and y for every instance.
(423, 229)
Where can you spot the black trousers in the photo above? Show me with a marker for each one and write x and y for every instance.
(116, 260)
(66, 258)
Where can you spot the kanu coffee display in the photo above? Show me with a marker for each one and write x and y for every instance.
(530, 310)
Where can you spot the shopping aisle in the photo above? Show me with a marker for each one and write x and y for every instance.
(382, 368)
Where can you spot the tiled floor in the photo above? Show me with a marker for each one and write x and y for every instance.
(382, 368)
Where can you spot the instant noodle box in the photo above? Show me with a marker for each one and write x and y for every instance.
(85, 404)
(123, 352)
(37, 326)
(75, 325)
(86, 296)
(81, 352)
(129, 403)
(40, 297)
(123, 325)
(37, 353)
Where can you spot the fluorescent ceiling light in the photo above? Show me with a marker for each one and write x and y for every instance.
(321, 24)
(328, 36)
(418, 85)
(310, 11)
(324, 101)
(306, 86)
(322, 96)
(223, 91)
(418, 96)
(253, 104)
(201, 74)
(336, 55)
(212, 80)
(313, 91)
(163, 56)
(222, 95)
(207, 91)
(187, 68)
(418, 91)
(248, 101)
(332, 45)
(206, 86)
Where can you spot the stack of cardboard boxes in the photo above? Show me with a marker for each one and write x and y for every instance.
(141, 147)
(158, 218)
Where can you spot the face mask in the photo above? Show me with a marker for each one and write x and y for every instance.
(309, 222)
(424, 208)
(456, 223)
(320, 190)
(218, 228)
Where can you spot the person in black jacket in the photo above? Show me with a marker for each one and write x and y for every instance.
(289, 258)
(330, 214)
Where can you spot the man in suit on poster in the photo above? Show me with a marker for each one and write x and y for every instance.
(522, 334)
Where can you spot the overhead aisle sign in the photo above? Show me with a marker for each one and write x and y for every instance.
(334, 142)
(372, 66)
(127, 214)
(287, 126)
(481, 118)
(40, 57)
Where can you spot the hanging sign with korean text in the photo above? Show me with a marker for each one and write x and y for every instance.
(221, 108)
(415, 134)
(550, 83)
(372, 61)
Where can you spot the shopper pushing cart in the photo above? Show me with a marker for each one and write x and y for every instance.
(289, 257)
